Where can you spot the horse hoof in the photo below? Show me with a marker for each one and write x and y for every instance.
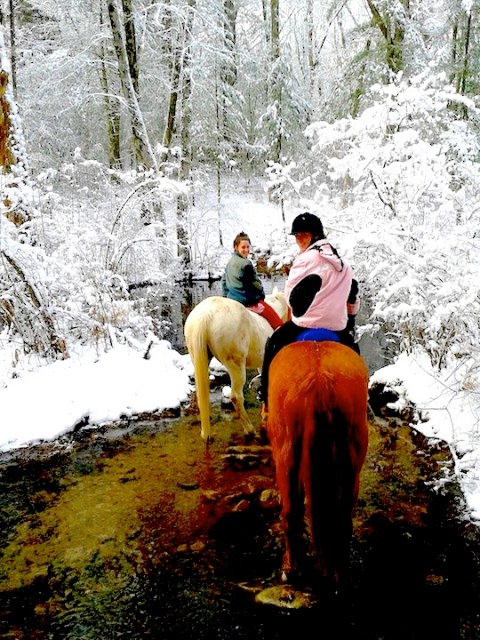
(249, 437)
(291, 574)
(262, 435)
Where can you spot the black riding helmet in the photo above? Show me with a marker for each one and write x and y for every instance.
(309, 223)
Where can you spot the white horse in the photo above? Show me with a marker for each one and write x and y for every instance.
(226, 329)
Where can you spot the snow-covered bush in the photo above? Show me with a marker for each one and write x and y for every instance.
(73, 271)
(405, 177)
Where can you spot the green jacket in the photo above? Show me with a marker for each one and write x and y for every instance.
(240, 281)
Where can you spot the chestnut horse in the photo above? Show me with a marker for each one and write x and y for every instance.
(226, 329)
(318, 431)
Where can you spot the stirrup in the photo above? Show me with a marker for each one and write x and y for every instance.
(255, 382)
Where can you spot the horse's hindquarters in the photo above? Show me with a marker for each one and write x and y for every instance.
(225, 329)
(317, 425)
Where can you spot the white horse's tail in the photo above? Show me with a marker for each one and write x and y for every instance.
(198, 348)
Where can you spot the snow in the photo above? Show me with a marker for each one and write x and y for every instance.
(49, 401)
(447, 411)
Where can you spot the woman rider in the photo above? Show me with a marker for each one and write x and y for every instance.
(321, 293)
(240, 282)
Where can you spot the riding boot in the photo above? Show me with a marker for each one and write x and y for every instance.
(282, 336)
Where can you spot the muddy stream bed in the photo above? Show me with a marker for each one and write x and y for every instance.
(138, 530)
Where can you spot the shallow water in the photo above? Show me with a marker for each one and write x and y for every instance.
(138, 530)
(141, 531)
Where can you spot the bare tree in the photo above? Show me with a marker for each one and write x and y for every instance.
(229, 72)
(13, 157)
(266, 21)
(461, 36)
(112, 107)
(392, 28)
(142, 150)
(276, 84)
(185, 164)
(7, 157)
(173, 50)
(130, 42)
(13, 55)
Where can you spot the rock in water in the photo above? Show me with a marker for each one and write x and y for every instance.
(285, 596)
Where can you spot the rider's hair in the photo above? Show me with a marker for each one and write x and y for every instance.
(239, 237)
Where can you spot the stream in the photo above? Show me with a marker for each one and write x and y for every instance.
(138, 530)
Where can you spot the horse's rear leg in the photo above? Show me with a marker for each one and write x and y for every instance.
(331, 537)
(238, 377)
(292, 515)
(294, 528)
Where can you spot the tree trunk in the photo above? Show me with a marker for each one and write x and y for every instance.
(185, 164)
(218, 160)
(266, 21)
(460, 59)
(312, 60)
(453, 74)
(172, 104)
(7, 158)
(360, 84)
(228, 73)
(52, 343)
(276, 86)
(13, 49)
(464, 74)
(229, 69)
(173, 52)
(224, 89)
(130, 42)
(275, 28)
(393, 32)
(13, 154)
(112, 113)
(142, 151)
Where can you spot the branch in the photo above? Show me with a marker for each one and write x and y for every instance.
(57, 343)
(382, 199)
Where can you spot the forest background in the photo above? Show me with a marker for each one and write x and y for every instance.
(125, 124)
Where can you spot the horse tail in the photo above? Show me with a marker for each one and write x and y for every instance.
(197, 344)
(327, 478)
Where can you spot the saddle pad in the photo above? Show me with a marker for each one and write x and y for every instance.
(317, 335)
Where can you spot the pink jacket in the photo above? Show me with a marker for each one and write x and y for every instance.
(318, 287)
